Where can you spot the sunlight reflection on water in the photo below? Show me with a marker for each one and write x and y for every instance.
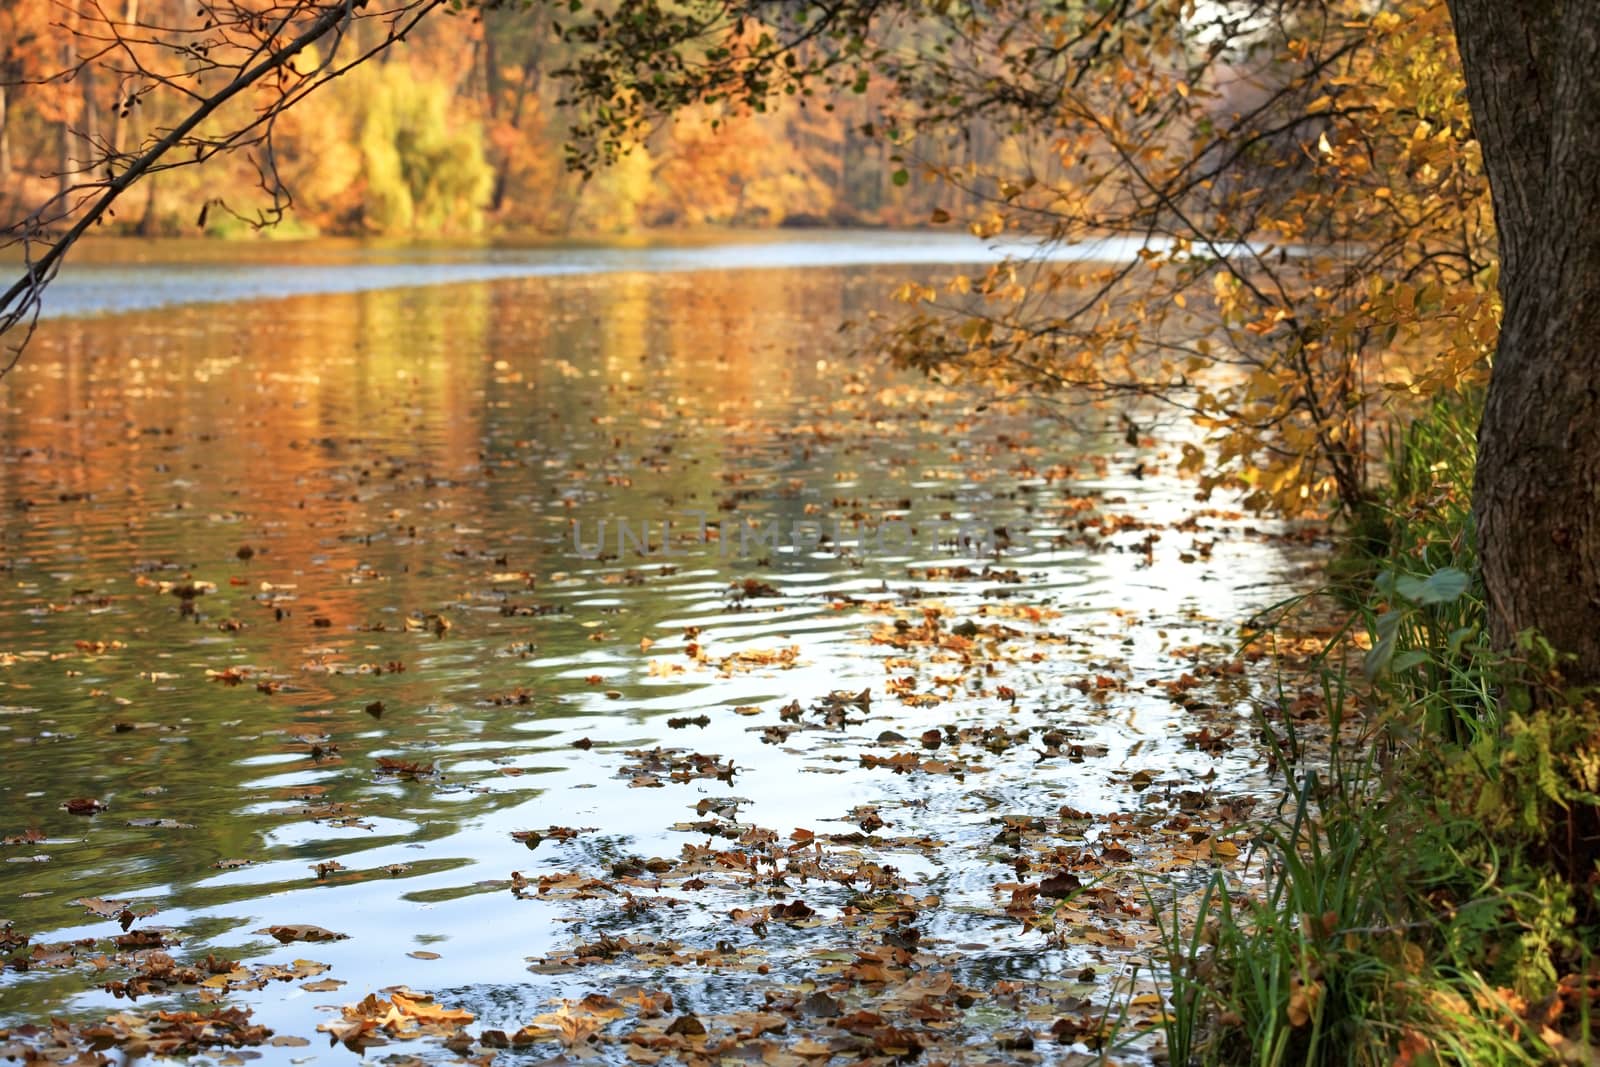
(164, 279)
(393, 458)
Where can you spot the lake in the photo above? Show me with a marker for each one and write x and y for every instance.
(308, 610)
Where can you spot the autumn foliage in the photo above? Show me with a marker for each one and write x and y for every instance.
(1300, 241)
(458, 130)
(1314, 243)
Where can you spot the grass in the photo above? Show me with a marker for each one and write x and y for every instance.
(1430, 890)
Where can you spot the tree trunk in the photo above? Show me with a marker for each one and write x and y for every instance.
(119, 121)
(64, 165)
(1533, 80)
(91, 111)
(147, 221)
(502, 175)
(91, 116)
(5, 143)
(64, 161)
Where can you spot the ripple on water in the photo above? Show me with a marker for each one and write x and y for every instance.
(381, 488)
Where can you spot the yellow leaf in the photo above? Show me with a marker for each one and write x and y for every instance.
(424, 1010)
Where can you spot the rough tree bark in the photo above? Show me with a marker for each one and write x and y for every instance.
(1533, 81)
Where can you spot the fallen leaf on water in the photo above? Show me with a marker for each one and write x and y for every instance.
(399, 768)
(794, 912)
(422, 1008)
(686, 1026)
(301, 932)
(119, 910)
(106, 909)
(1060, 885)
(405, 1015)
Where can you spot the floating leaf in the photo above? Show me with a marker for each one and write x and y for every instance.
(302, 932)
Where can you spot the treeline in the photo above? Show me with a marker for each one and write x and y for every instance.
(458, 130)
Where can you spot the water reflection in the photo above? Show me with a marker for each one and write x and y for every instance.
(122, 275)
(380, 490)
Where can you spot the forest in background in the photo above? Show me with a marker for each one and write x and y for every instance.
(458, 130)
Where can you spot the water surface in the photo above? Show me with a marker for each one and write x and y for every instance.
(114, 276)
(376, 492)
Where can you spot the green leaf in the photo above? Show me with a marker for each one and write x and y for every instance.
(900, 177)
(1460, 637)
(1406, 660)
(1382, 652)
(1443, 586)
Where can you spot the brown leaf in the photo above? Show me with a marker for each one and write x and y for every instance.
(795, 911)
(686, 1026)
(424, 1010)
(1303, 998)
(404, 768)
(1060, 885)
(821, 1005)
(302, 932)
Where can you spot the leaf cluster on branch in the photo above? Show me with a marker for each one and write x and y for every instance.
(1279, 213)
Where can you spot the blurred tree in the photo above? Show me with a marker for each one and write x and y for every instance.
(422, 173)
(226, 72)
(24, 27)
